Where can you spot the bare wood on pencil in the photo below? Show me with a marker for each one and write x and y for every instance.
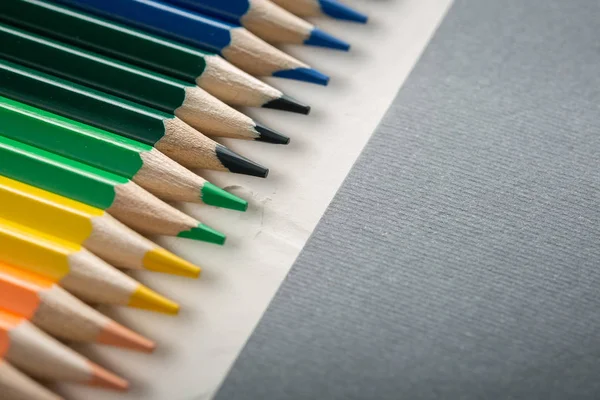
(117, 244)
(144, 212)
(246, 50)
(234, 86)
(213, 117)
(44, 358)
(93, 280)
(15, 385)
(167, 179)
(300, 7)
(274, 24)
(189, 147)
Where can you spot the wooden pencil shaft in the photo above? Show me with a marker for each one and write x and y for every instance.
(189, 102)
(96, 71)
(81, 103)
(15, 385)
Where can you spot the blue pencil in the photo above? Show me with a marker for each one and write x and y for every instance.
(266, 20)
(320, 8)
(233, 42)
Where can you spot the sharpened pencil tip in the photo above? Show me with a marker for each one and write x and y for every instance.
(147, 299)
(337, 10)
(286, 103)
(323, 39)
(204, 233)
(238, 164)
(119, 336)
(304, 74)
(161, 260)
(268, 135)
(215, 196)
(105, 379)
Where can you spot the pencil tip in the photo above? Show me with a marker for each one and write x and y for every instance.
(238, 164)
(204, 233)
(286, 103)
(303, 74)
(161, 260)
(119, 336)
(147, 299)
(323, 39)
(341, 11)
(103, 378)
(215, 196)
(268, 135)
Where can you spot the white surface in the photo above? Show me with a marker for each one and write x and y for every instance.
(220, 310)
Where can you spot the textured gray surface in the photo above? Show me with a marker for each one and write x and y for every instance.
(461, 258)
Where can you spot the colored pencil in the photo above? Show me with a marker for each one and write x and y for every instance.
(209, 71)
(15, 385)
(76, 269)
(60, 314)
(42, 357)
(121, 197)
(167, 133)
(266, 20)
(187, 101)
(139, 162)
(322, 8)
(89, 227)
(235, 43)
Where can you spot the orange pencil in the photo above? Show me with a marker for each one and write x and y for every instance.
(42, 357)
(57, 312)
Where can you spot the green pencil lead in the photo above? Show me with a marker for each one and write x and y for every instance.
(204, 233)
(215, 196)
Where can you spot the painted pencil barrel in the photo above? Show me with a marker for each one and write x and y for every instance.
(209, 71)
(235, 43)
(87, 226)
(133, 160)
(77, 270)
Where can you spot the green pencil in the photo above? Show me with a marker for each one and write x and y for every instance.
(115, 194)
(187, 101)
(137, 161)
(166, 132)
(207, 70)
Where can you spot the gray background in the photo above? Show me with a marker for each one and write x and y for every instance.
(460, 259)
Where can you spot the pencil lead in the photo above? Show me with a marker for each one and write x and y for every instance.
(286, 103)
(323, 39)
(238, 164)
(117, 335)
(161, 260)
(304, 74)
(268, 135)
(342, 11)
(147, 299)
(204, 233)
(215, 196)
(106, 379)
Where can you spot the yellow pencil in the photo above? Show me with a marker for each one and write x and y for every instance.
(87, 226)
(76, 269)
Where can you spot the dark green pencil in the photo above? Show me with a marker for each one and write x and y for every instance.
(165, 132)
(209, 71)
(191, 104)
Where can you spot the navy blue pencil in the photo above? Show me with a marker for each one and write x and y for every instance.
(266, 20)
(322, 8)
(233, 42)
